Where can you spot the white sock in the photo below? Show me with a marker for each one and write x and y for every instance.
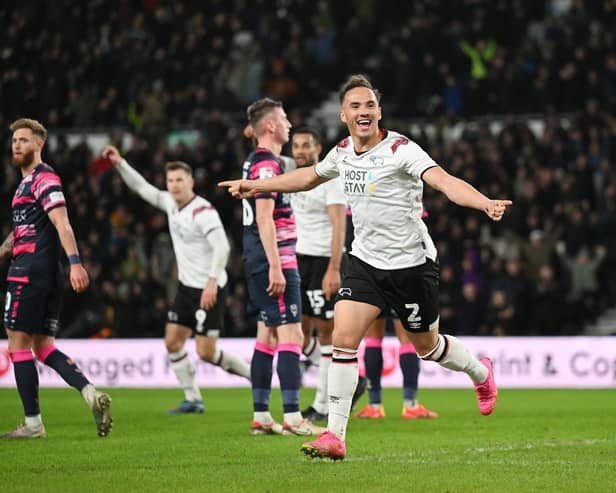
(343, 375)
(312, 351)
(292, 418)
(410, 403)
(450, 353)
(185, 372)
(262, 417)
(320, 398)
(89, 394)
(232, 363)
(34, 421)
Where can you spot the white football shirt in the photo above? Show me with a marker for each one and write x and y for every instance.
(199, 240)
(314, 229)
(384, 189)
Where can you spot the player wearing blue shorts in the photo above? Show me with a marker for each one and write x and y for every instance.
(269, 241)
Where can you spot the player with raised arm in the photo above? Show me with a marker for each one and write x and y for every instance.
(41, 230)
(201, 249)
(393, 258)
(272, 276)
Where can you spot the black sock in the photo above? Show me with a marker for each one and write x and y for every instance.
(373, 359)
(27, 380)
(67, 369)
(261, 379)
(290, 379)
(409, 364)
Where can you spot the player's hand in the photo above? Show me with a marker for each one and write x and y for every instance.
(110, 152)
(331, 283)
(277, 282)
(209, 295)
(496, 208)
(79, 278)
(240, 189)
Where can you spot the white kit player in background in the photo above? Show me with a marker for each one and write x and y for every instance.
(320, 216)
(392, 260)
(202, 250)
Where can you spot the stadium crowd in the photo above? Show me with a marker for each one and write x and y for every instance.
(153, 63)
(547, 269)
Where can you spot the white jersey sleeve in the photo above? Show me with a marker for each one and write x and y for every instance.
(211, 226)
(140, 185)
(328, 168)
(415, 160)
(334, 192)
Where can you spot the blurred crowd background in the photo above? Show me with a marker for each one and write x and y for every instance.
(517, 97)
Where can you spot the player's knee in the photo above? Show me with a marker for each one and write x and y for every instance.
(346, 340)
(42, 352)
(173, 345)
(424, 348)
(206, 353)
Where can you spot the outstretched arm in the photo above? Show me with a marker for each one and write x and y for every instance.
(6, 249)
(133, 179)
(464, 194)
(295, 181)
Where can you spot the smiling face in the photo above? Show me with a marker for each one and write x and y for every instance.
(361, 113)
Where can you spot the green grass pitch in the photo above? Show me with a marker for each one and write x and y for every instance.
(536, 440)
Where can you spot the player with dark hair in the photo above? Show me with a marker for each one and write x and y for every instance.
(393, 258)
(36, 280)
(201, 250)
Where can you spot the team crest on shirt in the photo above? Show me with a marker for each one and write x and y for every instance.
(377, 161)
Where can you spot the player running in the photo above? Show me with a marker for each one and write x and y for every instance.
(393, 259)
